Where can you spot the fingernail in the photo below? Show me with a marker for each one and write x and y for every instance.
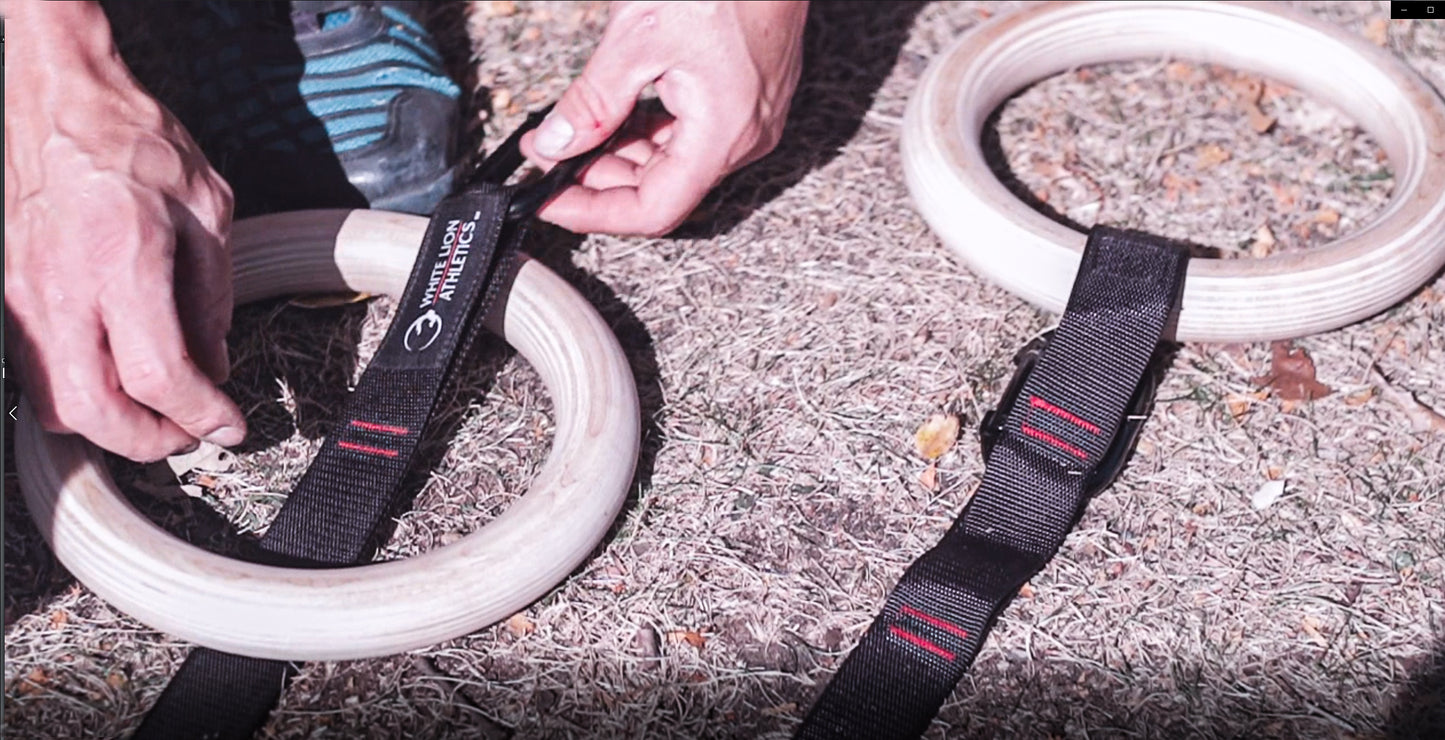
(226, 436)
(553, 135)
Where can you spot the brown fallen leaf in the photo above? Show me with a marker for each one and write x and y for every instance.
(1180, 71)
(1264, 242)
(1211, 155)
(1238, 404)
(1026, 591)
(936, 436)
(1328, 216)
(691, 637)
(1260, 121)
(1422, 418)
(58, 618)
(500, 8)
(1291, 375)
(115, 680)
(34, 682)
(1174, 184)
(1360, 398)
(928, 479)
(501, 98)
(329, 300)
(520, 625)
(1378, 31)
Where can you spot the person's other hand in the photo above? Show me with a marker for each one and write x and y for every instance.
(724, 71)
(117, 270)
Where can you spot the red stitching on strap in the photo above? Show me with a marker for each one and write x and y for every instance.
(1040, 403)
(387, 428)
(920, 642)
(367, 449)
(936, 622)
(1041, 435)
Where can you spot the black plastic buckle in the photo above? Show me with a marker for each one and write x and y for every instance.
(505, 159)
(1112, 464)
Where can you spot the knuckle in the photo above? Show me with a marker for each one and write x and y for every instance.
(50, 420)
(593, 102)
(70, 410)
(150, 381)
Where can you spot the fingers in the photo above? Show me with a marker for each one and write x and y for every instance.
(74, 388)
(204, 294)
(154, 368)
(661, 194)
(597, 103)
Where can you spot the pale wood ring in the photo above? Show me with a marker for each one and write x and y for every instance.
(383, 608)
(1280, 296)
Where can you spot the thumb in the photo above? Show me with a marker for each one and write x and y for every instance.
(596, 104)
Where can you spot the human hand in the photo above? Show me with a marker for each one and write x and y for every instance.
(724, 71)
(117, 272)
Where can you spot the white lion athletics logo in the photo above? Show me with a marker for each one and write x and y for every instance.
(423, 331)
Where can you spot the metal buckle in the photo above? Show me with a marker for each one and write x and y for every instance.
(1109, 467)
(505, 159)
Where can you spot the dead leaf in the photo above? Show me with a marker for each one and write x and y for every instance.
(58, 618)
(1311, 627)
(1422, 418)
(501, 98)
(1264, 242)
(1026, 591)
(329, 300)
(1327, 216)
(500, 8)
(1267, 494)
(928, 479)
(520, 625)
(1260, 121)
(936, 436)
(1211, 155)
(691, 637)
(1237, 404)
(1179, 71)
(115, 680)
(1291, 375)
(34, 682)
(1174, 184)
(647, 642)
(1360, 398)
(1378, 31)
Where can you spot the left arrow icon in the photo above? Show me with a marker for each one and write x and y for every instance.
(12, 413)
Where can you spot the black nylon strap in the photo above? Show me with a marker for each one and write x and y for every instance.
(331, 516)
(1034, 489)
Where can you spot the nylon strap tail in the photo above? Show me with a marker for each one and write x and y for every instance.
(332, 515)
(1035, 485)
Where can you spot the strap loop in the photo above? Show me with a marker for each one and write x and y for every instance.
(1062, 432)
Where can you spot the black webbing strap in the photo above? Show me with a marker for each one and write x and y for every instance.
(1047, 460)
(332, 515)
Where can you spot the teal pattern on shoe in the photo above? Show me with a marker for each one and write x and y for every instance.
(305, 87)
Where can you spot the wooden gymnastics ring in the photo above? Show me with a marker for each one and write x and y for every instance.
(382, 608)
(1277, 297)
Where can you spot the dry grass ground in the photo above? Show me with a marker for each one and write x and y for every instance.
(787, 345)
